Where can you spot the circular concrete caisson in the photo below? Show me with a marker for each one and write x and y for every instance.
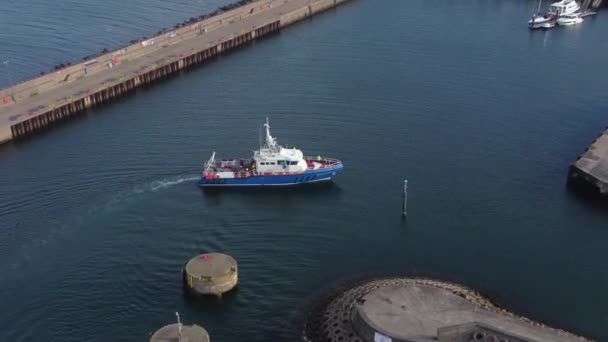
(400, 309)
(190, 333)
(210, 274)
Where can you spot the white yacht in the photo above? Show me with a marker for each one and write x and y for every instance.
(564, 7)
(569, 19)
(541, 21)
(547, 25)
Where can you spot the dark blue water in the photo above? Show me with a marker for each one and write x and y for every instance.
(481, 115)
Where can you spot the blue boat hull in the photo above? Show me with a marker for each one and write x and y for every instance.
(310, 176)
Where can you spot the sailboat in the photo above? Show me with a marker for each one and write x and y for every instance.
(541, 21)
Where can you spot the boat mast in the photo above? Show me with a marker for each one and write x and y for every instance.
(537, 12)
(260, 137)
(210, 162)
(270, 141)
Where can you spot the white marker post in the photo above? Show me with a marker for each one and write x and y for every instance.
(179, 328)
(405, 198)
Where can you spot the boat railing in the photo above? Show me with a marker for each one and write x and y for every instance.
(325, 162)
(247, 174)
(279, 173)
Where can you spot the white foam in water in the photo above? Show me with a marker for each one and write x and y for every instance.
(153, 186)
(165, 183)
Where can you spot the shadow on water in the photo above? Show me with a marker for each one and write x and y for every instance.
(588, 195)
(200, 302)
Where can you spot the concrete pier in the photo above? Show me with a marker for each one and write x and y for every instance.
(33, 105)
(189, 333)
(592, 166)
(210, 274)
(413, 309)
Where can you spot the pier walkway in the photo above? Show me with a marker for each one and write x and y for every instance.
(32, 105)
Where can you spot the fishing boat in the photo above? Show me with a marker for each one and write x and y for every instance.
(570, 19)
(271, 165)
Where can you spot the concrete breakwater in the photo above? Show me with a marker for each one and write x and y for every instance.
(33, 105)
(591, 167)
(403, 309)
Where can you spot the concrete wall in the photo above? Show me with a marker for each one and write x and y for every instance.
(290, 18)
(321, 5)
(477, 332)
(312, 9)
(5, 134)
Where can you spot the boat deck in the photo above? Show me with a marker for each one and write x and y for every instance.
(587, 13)
(243, 168)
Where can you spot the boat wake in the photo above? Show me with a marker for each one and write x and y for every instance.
(168, 182)
(67, 227)
(118, 200)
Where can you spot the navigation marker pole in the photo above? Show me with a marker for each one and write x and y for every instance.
(179, 328)
(405, 198)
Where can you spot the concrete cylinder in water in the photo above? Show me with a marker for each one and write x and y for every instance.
(189, 333)
(210, 274)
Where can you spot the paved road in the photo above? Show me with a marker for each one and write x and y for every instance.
(20, 111)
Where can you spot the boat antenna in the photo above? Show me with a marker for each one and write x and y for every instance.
(260, 136)
(210, 162)
(270, 141)
(534, 15)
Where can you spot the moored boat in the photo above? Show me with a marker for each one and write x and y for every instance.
(540, 19)
(547, 25)
(271, 165)
(564, 12)
(543, 21)
(564, 7)
(570, 19)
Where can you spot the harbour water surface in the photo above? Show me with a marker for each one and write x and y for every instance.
(98, 215)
